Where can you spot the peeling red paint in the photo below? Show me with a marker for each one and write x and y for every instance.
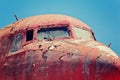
(55, 59)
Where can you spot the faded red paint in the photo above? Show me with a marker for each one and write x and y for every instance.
(57, 59)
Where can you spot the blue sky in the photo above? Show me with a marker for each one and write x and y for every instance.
(103, 16)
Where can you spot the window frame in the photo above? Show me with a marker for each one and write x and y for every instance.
(32, 35)
(56, 26)
(13, 35)
(90, 33)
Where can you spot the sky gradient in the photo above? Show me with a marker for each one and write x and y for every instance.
(103, 16)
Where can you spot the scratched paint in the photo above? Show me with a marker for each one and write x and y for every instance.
(54, 59)
(86, 68)
(39, 62)
(54, 64)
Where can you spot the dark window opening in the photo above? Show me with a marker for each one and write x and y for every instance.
(29, 35)
(52, 33)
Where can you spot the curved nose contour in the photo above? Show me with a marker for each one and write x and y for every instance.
(72, 60)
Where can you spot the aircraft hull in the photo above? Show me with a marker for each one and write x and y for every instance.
(61, 60)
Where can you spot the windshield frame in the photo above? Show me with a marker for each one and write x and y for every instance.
(48, 27)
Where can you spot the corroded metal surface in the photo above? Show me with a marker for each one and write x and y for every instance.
(62, 59)
(47, 19)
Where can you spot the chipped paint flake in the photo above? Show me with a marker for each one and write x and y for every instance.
(107, 50)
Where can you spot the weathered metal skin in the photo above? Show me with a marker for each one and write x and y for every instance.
(62, 59)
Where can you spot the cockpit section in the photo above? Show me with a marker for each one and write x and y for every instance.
(36, 44)
(47, 33)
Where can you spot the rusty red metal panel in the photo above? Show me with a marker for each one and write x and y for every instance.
(13, 68)
(55, 59)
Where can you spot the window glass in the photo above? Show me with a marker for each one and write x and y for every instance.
(51, 33)
(83, 34)
(16, 43)
(29, 35)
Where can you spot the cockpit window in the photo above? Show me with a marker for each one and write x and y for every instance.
(83, 34)
(29, 35)
(16, 42)
(52, 33)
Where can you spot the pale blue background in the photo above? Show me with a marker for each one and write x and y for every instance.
(103, 16)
